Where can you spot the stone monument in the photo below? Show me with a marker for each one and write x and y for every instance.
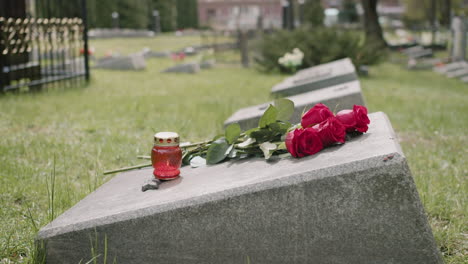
(317, 77)
(338, 97)
(459, 29)
(354, 203)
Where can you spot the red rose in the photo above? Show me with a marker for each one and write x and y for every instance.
(315, 115)
(355, 119)
(303, 142)
(331, 131)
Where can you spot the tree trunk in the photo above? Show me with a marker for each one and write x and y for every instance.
(446, 15)
(372, 26)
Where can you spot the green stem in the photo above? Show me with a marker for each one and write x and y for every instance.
(189, 145)
(128, 168)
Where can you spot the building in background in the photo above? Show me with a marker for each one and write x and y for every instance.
(239, 14)
(390, 11)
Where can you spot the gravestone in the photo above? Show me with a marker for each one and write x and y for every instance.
(207, 64)
(147, 54)
(132, 62)
(418, 52)
(421, 54)
(458, 73)
(413, 49)
(444, 69)
(423, 64)
(459, 32)
(464, 79)
(337, 98)
(184, 68)
(355, 203)
(317, 77)
(119, 33)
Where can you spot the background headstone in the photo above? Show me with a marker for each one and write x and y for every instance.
(132, 62)
(444, 69)
(355, 203)
(458, 73)
(337, 98)
(207, 64)
(184, 68)
(459, 31)
(317, 77)
(147, 54)
(119, 33)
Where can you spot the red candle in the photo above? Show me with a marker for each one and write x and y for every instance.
(166, 156)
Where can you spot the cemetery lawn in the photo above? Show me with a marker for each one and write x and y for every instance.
(55, 145)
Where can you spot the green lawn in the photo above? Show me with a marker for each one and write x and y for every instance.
(73, 135)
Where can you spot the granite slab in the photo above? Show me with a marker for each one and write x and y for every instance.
(317, 77)
(354, 203)
(338, 97)
(190, 67)
(133, 62)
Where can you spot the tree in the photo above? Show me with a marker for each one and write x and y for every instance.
(372, 26)
(349, 12)
(168, 13)
(133, 14)
(313, 13)
(187, 14)
(422, 12)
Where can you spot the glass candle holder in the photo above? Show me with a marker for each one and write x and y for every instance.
(166, 156)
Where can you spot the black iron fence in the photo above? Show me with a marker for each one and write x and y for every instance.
(42, 52)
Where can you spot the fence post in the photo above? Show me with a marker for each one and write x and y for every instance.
(85, 38)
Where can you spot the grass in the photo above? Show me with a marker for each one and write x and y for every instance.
(60, 142)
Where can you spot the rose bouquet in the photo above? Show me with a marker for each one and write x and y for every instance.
(319, 128)
(292, 60)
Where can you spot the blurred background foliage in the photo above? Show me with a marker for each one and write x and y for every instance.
(319, 45)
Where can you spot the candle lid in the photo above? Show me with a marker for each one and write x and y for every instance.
(166, 139)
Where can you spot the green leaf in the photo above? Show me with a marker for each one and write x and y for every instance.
(217, 151)
(186, 158)
(218, 137)
(280, 127)
(232, 133)
(268, 148)
(282, 146)
(268, 117)
(248, 132)
(232, 154)
(263, 135)
(249, 141)
(285, 109)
